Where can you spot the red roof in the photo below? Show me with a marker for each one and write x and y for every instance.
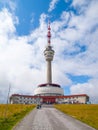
(52, 84)
(66, 96)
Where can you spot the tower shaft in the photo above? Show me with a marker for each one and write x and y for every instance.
(49, 53)
(49, 72)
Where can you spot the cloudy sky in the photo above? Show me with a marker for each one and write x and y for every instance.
(23, 30)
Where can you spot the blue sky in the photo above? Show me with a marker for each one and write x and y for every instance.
(23, 30)
(29, 13)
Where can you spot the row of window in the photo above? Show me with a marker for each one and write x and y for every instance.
(33, 99)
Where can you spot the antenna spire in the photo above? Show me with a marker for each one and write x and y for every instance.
(49, 34)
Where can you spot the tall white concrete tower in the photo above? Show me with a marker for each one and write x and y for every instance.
(49, 53)
(49, 88)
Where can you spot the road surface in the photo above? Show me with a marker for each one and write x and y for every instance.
(49, 118)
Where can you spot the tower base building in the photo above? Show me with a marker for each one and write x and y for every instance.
(48, 90)
(29, 99)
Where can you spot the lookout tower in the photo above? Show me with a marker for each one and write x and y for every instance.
(49, 88)
(49, 53)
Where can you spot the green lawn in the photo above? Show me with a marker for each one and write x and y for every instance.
(12, 113)
(87, 113)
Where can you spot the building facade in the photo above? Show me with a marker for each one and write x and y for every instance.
(69, 99)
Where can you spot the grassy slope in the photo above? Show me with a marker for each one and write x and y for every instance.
(85, 113)
(11, 114)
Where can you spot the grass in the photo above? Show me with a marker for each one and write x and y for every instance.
(87, 113)
(12, 113)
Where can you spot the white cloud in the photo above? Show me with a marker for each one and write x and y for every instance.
(12, 5)
(81, 5)
(32, 18)
(90, 88)
(7, 26)
(52, 5)
(42, 21)
(59, 76)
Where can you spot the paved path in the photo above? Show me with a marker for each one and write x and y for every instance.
(48, 118)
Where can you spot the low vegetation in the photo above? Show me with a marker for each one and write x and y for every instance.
(87, 113)
(10, 114)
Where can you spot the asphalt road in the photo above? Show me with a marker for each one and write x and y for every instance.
(49, 118)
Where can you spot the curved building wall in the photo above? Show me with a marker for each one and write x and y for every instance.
(48, 91)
